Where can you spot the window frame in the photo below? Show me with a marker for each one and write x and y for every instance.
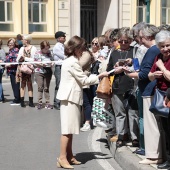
(40, 3)
(6, 14)
(167, 9)
(137, 12)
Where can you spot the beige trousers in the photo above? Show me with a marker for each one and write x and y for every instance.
(153, 133)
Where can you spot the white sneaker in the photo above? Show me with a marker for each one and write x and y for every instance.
(86, 127)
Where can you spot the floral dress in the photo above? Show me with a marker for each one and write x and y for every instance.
(11, 57)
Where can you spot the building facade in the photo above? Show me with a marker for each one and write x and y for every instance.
(86, 18)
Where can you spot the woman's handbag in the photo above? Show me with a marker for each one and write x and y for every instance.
(157, 106)
(27, 68)
(104, 89)
(130, 100)
(102, 116)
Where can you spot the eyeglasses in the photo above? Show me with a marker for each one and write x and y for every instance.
(123, 41)
(96, 44)
(10, 44)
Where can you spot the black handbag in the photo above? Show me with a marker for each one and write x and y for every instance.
(157, 106)
(130, 100)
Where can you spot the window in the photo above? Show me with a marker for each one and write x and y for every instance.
(165, 11)
(37, 15)
(6, 16)
(141, 11)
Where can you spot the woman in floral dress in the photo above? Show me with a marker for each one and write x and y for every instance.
(11, 70)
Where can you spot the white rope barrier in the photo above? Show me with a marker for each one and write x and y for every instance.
(29, 62)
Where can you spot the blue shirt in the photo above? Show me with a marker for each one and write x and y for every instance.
(58, 53)
(145, 85)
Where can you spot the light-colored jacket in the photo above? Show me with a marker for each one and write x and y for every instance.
(72, 80)
(85, 62)
(21, 53)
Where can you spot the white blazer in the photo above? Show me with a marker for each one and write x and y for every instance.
(72, 80)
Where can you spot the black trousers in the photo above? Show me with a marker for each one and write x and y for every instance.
(166, 127)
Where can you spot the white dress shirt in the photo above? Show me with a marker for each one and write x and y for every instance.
(58, 53)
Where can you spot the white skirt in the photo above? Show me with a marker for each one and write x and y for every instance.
(70, 116)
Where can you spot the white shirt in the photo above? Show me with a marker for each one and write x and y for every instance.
(21, 52)
(58, 53)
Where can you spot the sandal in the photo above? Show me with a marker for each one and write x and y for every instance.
(119, 143)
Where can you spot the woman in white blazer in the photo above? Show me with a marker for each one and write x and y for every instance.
(70, 94)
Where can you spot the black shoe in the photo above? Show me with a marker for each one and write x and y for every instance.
(165, 165)
(135, 143)
(31, 104)
(119, 143)
(57, 106)
(139, 151)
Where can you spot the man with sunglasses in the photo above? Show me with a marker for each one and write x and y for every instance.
(58, 54)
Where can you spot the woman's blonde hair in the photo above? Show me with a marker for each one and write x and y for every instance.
(27, 37)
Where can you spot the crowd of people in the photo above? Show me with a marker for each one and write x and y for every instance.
(140, 57)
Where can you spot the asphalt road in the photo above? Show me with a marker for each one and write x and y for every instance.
(30, 139)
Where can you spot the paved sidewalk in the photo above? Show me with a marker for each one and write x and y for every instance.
(125, 157)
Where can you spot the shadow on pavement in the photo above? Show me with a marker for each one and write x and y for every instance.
(88, 156)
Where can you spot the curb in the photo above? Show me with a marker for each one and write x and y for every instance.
(126, 159)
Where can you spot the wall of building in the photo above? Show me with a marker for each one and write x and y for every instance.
(107, 13)
(64, 15)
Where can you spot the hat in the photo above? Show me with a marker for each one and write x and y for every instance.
(59, 34)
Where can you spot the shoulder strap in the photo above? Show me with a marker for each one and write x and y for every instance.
(134, 51)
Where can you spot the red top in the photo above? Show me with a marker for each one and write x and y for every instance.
(162, 83)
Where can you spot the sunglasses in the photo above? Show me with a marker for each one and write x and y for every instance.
(123, 41)
(96, 44)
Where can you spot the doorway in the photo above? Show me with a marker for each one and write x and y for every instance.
(88, 16)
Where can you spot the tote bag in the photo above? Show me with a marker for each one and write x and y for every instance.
(102, 117)
(157, 106)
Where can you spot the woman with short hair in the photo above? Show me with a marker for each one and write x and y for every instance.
(12, 68)
(160, 72)
(122, 84)
(26, 54)
(43, 73)
(152, 136)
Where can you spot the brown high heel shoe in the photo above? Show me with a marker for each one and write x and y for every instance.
(73, 161)
(60, 164)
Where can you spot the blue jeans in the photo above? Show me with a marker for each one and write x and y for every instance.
(141, 128)
(1, 88)
(57, 74)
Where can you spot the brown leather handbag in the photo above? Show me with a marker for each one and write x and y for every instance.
(104, 89)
